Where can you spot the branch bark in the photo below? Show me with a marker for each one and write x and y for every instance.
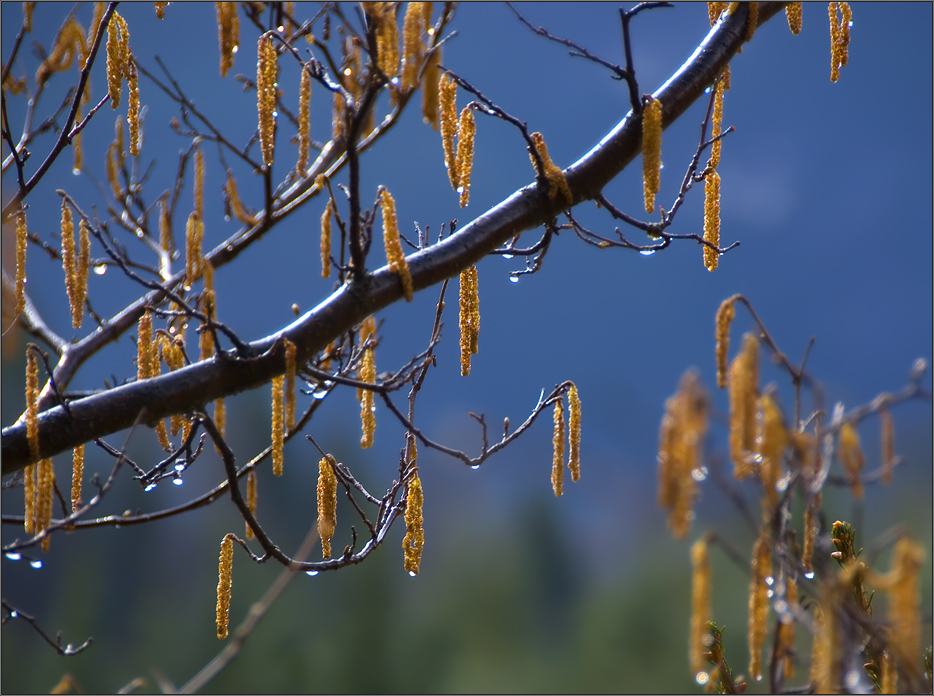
(194, 386)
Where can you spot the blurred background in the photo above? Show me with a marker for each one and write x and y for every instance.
(826, 186)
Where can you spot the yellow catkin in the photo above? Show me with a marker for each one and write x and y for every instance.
(651, 152)
(466, 131)
(714, 9)
(267, 69)
(711, 220)
(82, 266)
(725, 315)
(327, 503)
(888, 680)
(387, 42)
(224, 583)
(251, 497)
(278, 432)
(367, 408)
(414, 539)
(824, 645)
(851, 457)
(469, 317)
(117, 42)
(556, 180)
(132, 117)
(794, 14)
(839, 37)
(753, 21)
(209, 307)
(21, 235)
(680, 436)
(220, 416)
(228, 33)
(743, 386)
(45, 484)
(430, 100)
(32, 404)
(29, 491)
(160, 9)
(304, 124)
(888, 445)
(811, 521)
(413, 48)
(199, 184)
(771, 440)
(904, 597)
(145, 348)
(289, 384)
(574, 433)
(194, 232)
(68, 255)
(326, 240)
(236, 205)
(557, 440)
(845, 21)
(339, 117)
(717, 124)
(77, 476)
(786, 629)
(447, 97)
(700, 604)
(759, 601)
(395, 257)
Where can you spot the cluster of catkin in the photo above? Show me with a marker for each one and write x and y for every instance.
(570, 432)
(759, 442)
(75, 264)
(122, 66)
(459, 162)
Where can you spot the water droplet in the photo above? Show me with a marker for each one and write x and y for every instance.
(759, 677)
(320, 394)
(14, 556)
(690, 516)
(395, 81)
(234, 49)
(701, 677)
(661, 165)
(280, 28)
(850, 23)
(770, 593)
(100, 269)
(311, 573)
(513, 279)
(781, 606)
(178, 481)
(150, 487)
(809, 575)
(348, 72)
(647, 252)
(179, 467)
(769, 580)
(275, 114)
(412, 573)
(36, 564)
(226, 218)
(14, 614)
(139, 233)
(507, 256)
(76, 171)
(707, 91)
(70, 647)
(474, 466)
(699, 474)
(230, 247)
(460, 189)
(431, 31)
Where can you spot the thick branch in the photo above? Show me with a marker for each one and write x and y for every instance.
(194, 386)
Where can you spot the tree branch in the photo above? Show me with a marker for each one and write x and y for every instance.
(193, 386)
